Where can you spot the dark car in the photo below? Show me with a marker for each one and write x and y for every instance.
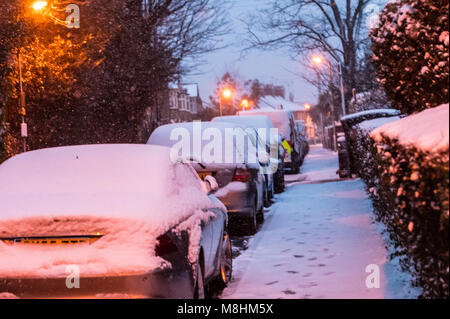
(239, 178)
(109, 221)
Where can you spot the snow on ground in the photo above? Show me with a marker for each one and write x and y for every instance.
(320, 165)
(316, 242)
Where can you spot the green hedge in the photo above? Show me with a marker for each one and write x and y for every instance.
(409, 190)
(351, 120)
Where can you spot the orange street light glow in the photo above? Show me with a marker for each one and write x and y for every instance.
(307, 106)
(317, 60)
(227, 93)
(245, 104)
(39, 5)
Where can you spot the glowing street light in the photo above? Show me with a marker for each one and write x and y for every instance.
(39, 5)
(245, 104)
(317, 60)
(226, 94)
(307, 106)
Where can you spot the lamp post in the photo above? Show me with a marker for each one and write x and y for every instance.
(317, 60)
(40, 6)
(37, 6)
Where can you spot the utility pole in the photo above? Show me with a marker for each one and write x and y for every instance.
(22, 104)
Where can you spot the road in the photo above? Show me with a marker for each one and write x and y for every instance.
(316, 242)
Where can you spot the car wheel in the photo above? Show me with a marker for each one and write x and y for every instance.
(199, 290)
(226, 261)
(279, 182)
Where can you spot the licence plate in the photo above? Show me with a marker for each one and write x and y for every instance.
(204, 174)
(53, 240)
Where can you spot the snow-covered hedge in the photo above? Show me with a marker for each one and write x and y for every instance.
(405, 166)
(351, 120)
(411, 53)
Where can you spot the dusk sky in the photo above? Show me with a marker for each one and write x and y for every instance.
(268, 66)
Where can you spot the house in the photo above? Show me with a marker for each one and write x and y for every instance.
(184, 102)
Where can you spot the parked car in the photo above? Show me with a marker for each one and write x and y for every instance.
(241, 186)
(284, 121)
(268, 141)
(122, 221)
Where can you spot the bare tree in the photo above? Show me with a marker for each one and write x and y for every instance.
(335, 28)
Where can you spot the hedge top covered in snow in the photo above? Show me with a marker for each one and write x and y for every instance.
(392, 112)
(427, 130)
(370, 125)
(133, 181)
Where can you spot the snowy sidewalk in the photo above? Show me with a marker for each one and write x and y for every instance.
(316, 242)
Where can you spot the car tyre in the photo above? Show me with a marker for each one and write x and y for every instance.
(226, 261)
(199, 288)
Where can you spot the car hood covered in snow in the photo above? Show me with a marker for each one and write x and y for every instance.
(130, 193)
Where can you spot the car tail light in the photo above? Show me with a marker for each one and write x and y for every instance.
(165, 246)
(242, 175)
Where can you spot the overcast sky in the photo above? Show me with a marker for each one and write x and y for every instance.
(266, 66)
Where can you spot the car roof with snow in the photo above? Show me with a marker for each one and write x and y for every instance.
(261, 123)
(170, 135)
(137, 181)
(279, 118)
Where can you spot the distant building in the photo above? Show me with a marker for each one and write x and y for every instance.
(184, 102)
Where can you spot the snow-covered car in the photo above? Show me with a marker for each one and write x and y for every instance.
(284, 121)
(268, 139)
(101, 221)
(238, 175)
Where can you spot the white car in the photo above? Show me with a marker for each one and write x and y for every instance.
(100, 221)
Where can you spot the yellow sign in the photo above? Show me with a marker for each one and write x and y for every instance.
(287, 147)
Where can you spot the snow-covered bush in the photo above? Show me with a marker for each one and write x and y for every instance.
(411, 53)
(351, 120)
(405, 166)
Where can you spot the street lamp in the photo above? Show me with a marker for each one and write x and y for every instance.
(307, 106)
(226, 94)
(245, 104)
(318, 60)
(39, 5)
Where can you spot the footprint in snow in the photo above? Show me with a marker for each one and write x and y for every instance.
(271, 283)
(278, 265)
(312, 258)
(292, 272)
(285, 251)
(288, 292)
(299, 256)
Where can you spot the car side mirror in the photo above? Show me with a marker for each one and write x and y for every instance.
(210, 185)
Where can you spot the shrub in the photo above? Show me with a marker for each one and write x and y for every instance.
(411, 53)
(409, 190)
(349, 121)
